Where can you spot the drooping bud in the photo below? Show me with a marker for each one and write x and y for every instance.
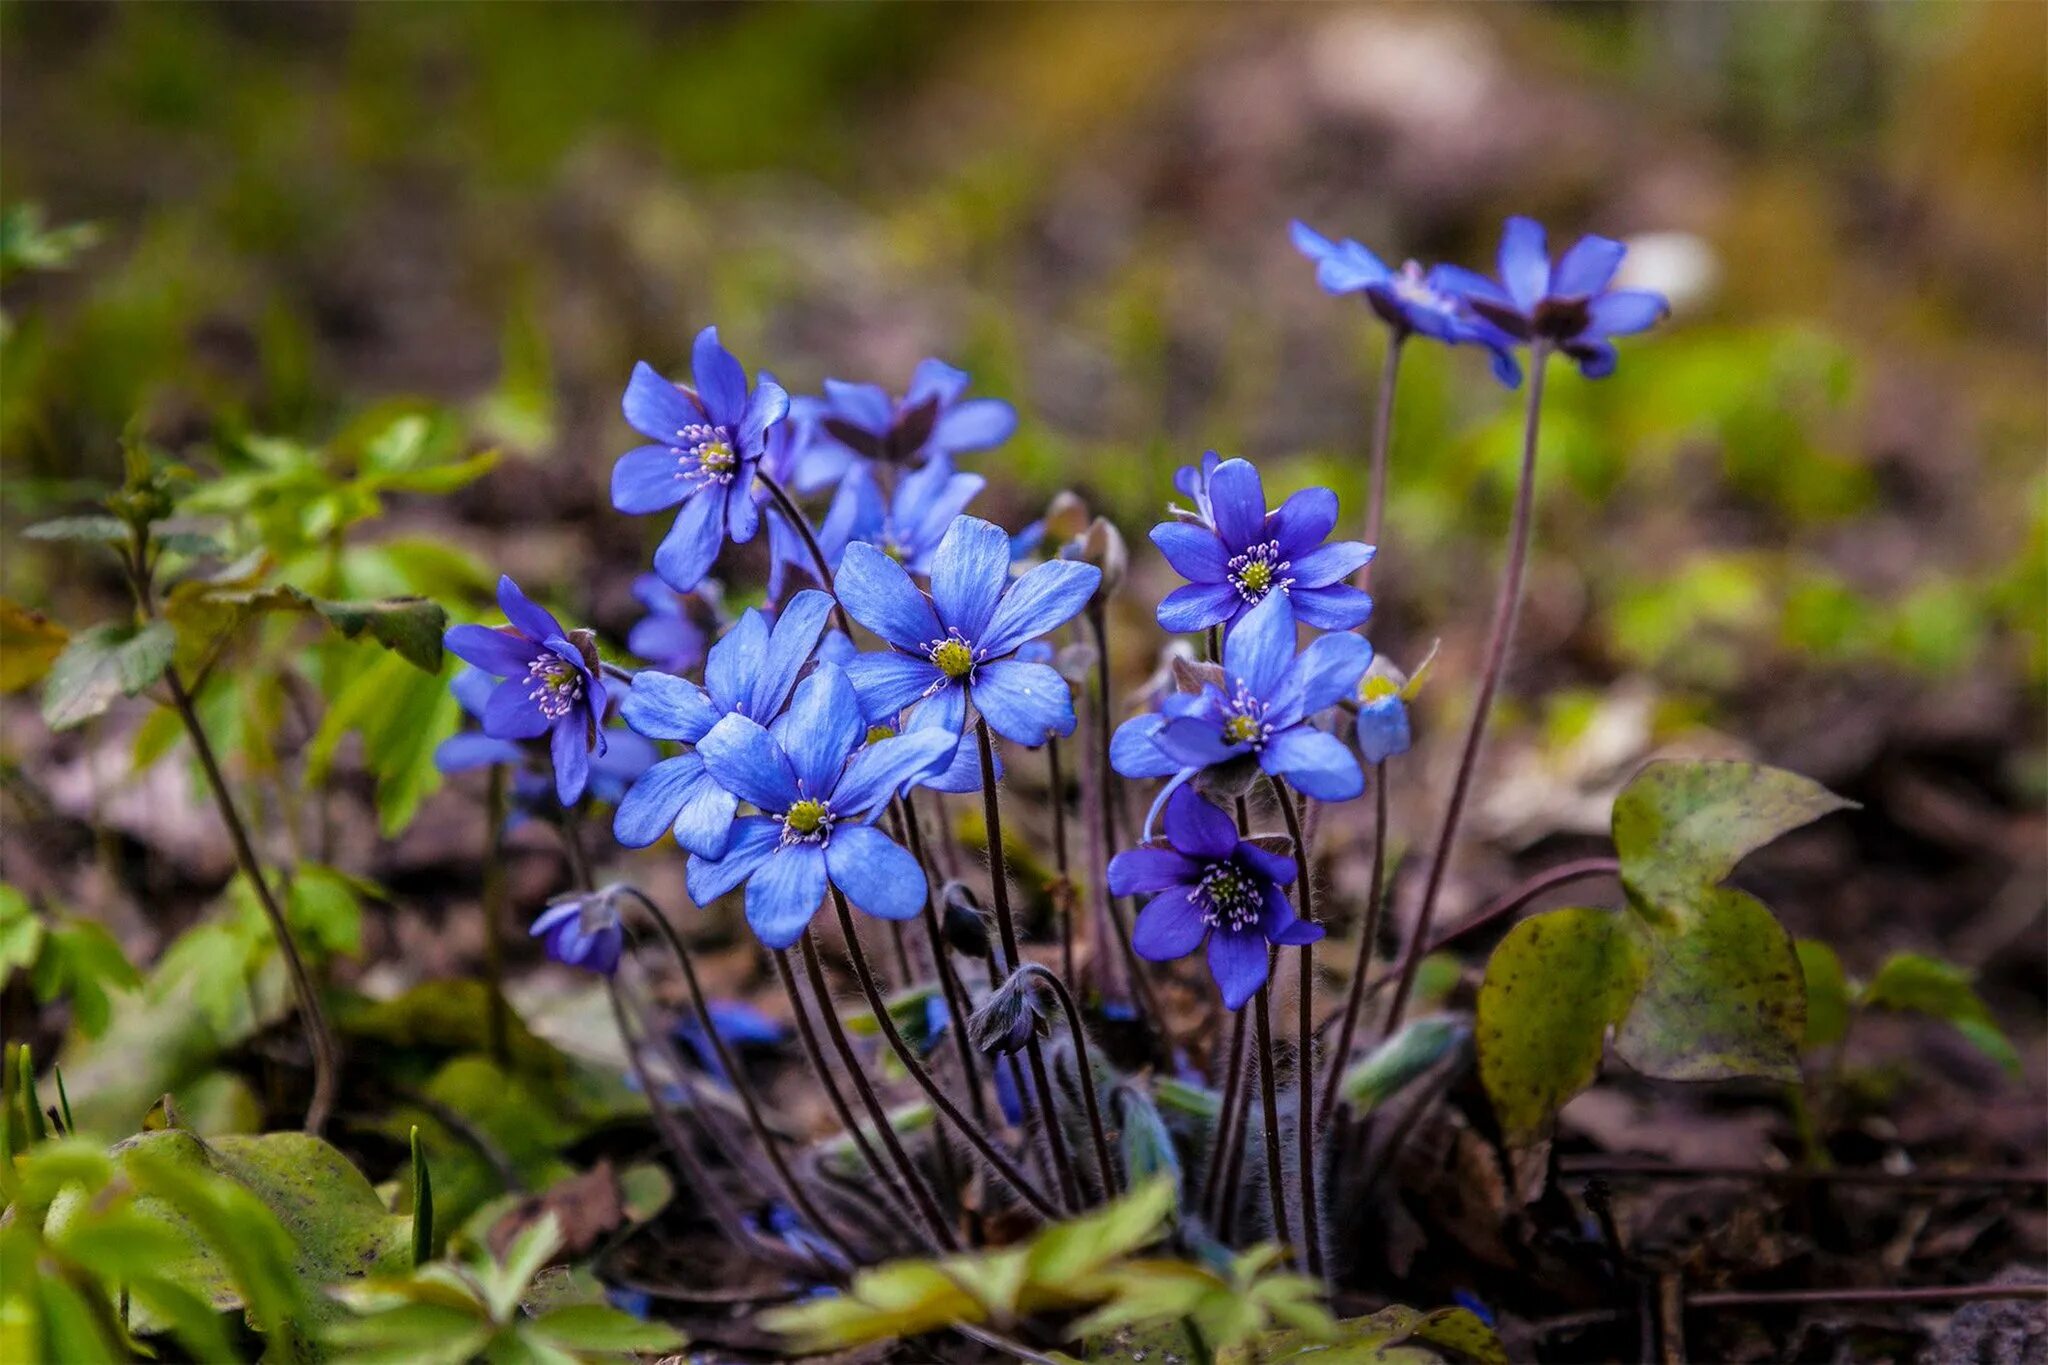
(1010, 1018)
(965, 923)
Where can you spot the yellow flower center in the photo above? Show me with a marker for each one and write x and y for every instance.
(1256, 578)
(1377, 687)
(953, 658)
(805, 816)
(879, 732)
(1240, 730)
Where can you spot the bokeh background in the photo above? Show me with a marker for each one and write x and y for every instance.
(1806, 520)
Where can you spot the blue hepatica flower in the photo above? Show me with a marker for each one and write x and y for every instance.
(1567, 305)
(907, 526)
(1208, 884)
(551, 684)
(1244, 554)
(666, 636)
(708, 441)
(625, 756)
(1382, 718)
(583, 930)
(860, 422)
(816, 785)
(739, 1025)
(957, 644)
(1409, 300)
(1261, 710)
(749, 673)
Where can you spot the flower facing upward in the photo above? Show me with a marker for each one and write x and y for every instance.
(816, 785)
(906, 526)
(551, 686)
(860, 423)
(750, 673)
(1567, 305)
(956, 644)
(707, 443)
(1409, 299)
(1244, 553)
(583, 930)
(1206, 883)
(1262, 709)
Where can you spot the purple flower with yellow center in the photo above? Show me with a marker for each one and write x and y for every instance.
(1566, 305)
(1261, 711)
(1207, 884)
(1244, 553)
(667, 637)
(749, 673)
(816, 786)
(861, 423)
(707, 443)
(907, 525)
(957, 644)
(551, 684)
(583, 930)
(624, 758)
(1410, 300)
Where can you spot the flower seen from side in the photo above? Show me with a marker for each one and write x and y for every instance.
(861, 423)
(583, 930)
(906, 525)
(1566, 304)
(551, 684)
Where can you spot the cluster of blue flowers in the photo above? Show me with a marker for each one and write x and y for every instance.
(776, 765)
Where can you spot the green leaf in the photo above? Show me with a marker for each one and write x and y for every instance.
(21, 933)
(506, 1282)
(79, 962)
(402, 715)
(410, 1334)
(1552, 988)
(1680, 826)
(1827, 993)
(1723, 996)
(1396, 1063)
(411, 627)
(422, 1204)
(102, 665)
(29, 644)
(594, 1327)
(1918, 984)
(1382, 1339)
(96, 530)
(1071, 1250)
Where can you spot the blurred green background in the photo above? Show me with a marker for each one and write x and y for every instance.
(1819, 487)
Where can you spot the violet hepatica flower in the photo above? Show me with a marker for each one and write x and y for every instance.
(908, 525)
(552, 686)
(666, 637)
(707, 443)
(956, 645)
(1409, 300)
(1262, 711)
(1207, 883)
(816, 786)
(583, 930)
(624, 758)
(1382, 718)
(1245, 554)
(750, 673)
(861, 422)
(1567, 305)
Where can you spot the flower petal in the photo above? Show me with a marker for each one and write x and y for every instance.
(471, 749)
(882, 769)
(969, 572)
(655, 407)
(1194, 551)
(1524, 262)
(1024, 703)
(973, 425)
(864, 405)
(662, 706)
(745, 760)
(753, 839)
(691, 546)
(1301, 522)
(1195, 826)
(530, 620)
(1274, 867)
(721, 383)
(512, 714)
(1045, 598)
(1596, 360)
(768, 405)
(1260, 646)
(875, 872)
(1316, 763)
(934, 378)
(1383, 729)
(886, 682)
(648, 479)
(1194, 742)
(498, 652)
(1134, 750)
(1320, 676)
(785, 892)
(1625, 311)
(1332, 563)
(820, 728)
(797, 628)
(570, 748)
(1198, 606)
(1169, 926)
(877, 592)
(1136, 871)
(1337, 607)
(1238, 497)
(1586, 268)
(1238, 962)
(649, 808)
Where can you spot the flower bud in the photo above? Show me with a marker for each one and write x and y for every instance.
(1102, 545)
(1066, 517)
(1010, 1018)
(966, 927)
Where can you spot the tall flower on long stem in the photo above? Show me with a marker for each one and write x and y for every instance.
(707, 442)
(551, 684)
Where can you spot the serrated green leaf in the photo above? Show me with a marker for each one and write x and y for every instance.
(1681, 826)
(102, 665)
(409, 626)
(1723, 995)
(1552, 988)
(1827, 993)
(1919, 984)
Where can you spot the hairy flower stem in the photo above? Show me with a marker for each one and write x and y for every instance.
(1086, 1070)
(1304, 1062)
(1382, 434)
(1269, 1103)
(571, 827)
(498, 1021)
(792, 1189)
(1006, 926)
(821, 992)
(801, 524)
(814, 1054)
(1238, 1095)
(1108, 781)
(326, 1051)
(957, 1008)
(1226, 1113)
(1063, 881)
(1505, 609)
(1347, 1029)
(976, 1138)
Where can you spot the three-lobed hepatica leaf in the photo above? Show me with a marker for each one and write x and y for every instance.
(1698, 981)
(102, 665)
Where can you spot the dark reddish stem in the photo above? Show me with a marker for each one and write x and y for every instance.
(1304, 1065)
(1382, 435)
(801, 524)
(1369, 933)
